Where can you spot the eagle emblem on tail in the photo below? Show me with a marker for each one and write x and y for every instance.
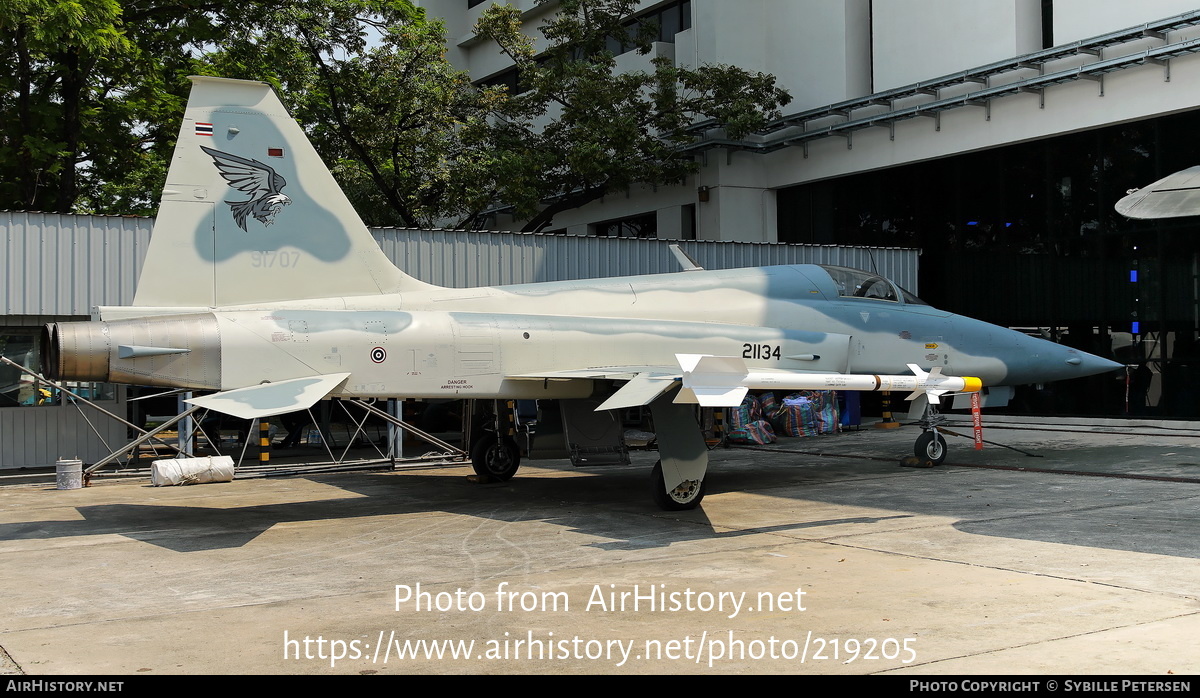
(259, 180)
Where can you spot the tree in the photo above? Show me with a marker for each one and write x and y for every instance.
(90, 113)
(53, 49)
(580, 130)
(90, 110)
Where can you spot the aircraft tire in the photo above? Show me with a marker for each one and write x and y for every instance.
(673, 501)
(930, 446)
(494, 458)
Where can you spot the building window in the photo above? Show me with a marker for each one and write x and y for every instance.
(473, 3)
(1047, 23)
(687, 224)
(510, 79)
(668, 20)
(642, 226)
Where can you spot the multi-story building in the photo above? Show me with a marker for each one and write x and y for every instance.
(996, 135)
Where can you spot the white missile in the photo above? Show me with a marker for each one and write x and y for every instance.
(723, 381)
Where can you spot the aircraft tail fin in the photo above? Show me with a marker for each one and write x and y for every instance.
(251, 214)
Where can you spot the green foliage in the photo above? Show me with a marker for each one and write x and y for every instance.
(581, 129)
(89, 117)
(49, 47)
(89, 114)
(91, 106)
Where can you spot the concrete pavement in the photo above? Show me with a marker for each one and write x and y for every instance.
(840, 563)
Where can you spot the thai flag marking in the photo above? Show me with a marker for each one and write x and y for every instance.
(204, 129)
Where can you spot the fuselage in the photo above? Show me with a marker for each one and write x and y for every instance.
(524, 340)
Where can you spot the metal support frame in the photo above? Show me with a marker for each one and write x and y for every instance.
(140, 440)
(987, 107)
(77, 398)
(1099, 79)
(453, 451)
(935, 115)
(450, 451)
(1041, 93)
(1166, 66)
(75, 395)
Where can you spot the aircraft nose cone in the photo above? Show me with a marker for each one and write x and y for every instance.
(1086, 364)
(1042, 362)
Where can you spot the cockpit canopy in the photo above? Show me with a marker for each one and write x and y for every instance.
(856, 283)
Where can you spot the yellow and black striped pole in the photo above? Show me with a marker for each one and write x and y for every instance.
(889, 422)
(264, 441)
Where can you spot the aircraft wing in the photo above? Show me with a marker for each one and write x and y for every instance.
(645, 383)
(617, 373)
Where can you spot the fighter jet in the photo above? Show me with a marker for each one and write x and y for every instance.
(297, 303)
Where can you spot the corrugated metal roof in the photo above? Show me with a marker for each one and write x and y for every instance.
(58, 264)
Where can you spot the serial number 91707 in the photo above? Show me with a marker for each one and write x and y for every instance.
(760, 351)
(270, 258)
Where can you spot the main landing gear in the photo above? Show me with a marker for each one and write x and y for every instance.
(495, 457)
(495, 454)
(676, 481)
(686, 495)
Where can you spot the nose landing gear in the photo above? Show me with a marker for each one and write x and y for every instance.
(930, 445)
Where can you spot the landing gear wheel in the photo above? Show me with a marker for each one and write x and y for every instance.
(494, 458)
(686, 496)
(930, 446)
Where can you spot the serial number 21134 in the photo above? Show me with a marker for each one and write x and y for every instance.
(760, 351)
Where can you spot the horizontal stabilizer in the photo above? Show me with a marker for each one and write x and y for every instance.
(270, 399)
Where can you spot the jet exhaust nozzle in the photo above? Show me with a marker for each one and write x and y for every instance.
(75, 351)
(173, 351)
